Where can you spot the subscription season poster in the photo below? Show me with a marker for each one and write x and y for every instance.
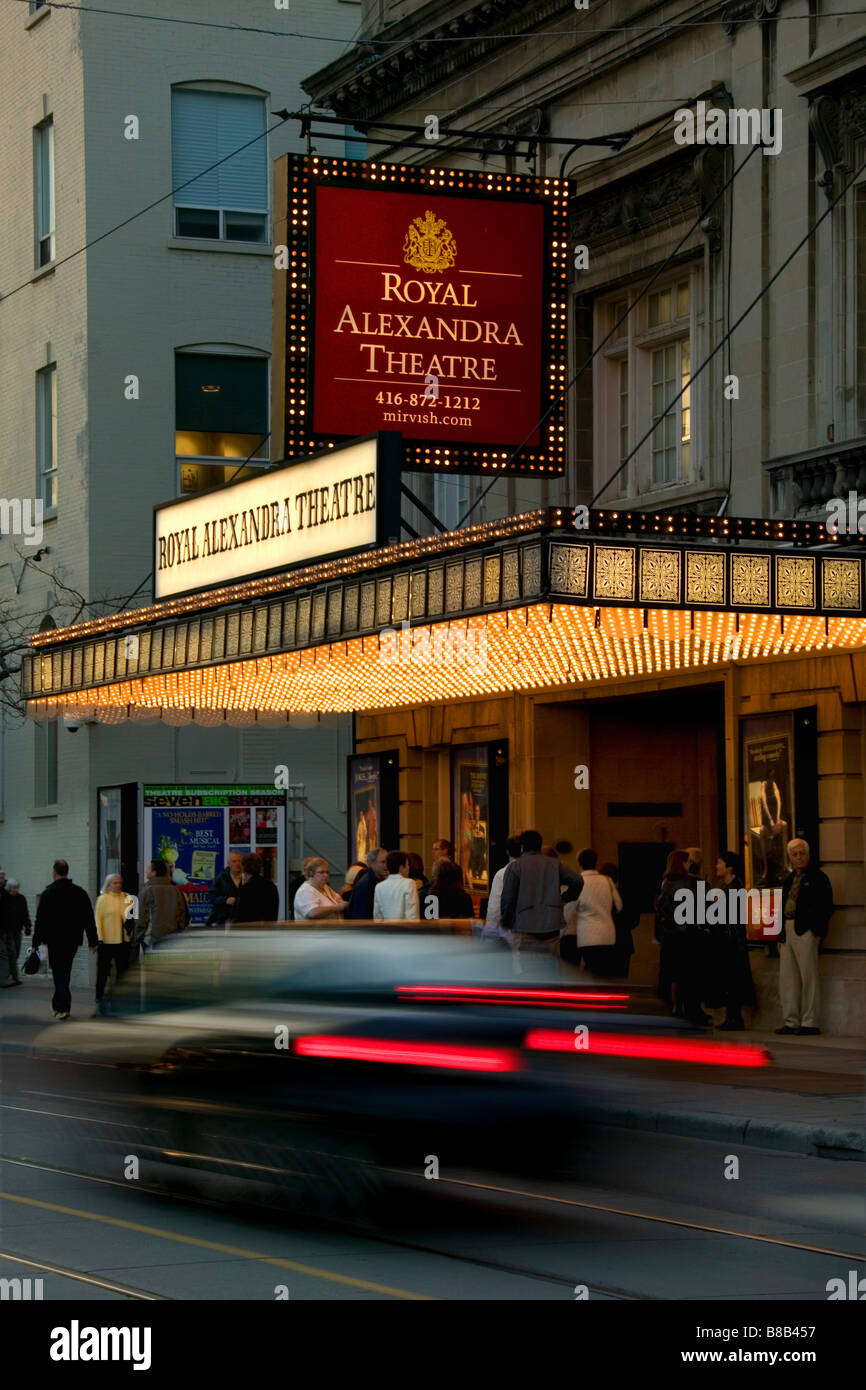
(417, 285)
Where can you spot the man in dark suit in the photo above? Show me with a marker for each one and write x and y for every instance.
(807, 906)
(63, 917)
(258, 898)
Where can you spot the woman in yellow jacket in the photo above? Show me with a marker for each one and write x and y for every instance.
(112, 912)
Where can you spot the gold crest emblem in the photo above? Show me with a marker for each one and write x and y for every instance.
(429, 245)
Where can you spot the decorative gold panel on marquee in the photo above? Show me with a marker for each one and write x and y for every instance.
(614, 572)
(750, 581)
(659, 576)
(840, 583)
(705, 577)
(795, 581)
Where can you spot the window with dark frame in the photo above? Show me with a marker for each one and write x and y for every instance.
(45, 764)
(46, 435)
(43, 137)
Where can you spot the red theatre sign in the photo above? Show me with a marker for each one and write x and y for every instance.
(431, 302)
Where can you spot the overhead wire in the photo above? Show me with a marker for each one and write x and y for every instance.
(371, 42)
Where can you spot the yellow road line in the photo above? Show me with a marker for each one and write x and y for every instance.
(237, 1252)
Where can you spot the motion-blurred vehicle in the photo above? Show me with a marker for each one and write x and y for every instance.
(314, 1060)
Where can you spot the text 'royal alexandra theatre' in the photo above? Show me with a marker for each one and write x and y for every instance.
(634, 681)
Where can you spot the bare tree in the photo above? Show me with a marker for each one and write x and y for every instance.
(18, 622)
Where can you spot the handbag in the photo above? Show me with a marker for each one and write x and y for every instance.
(32, 963)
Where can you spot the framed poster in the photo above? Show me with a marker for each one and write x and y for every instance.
(471, 803)
(193, 828)
(768, 789)
(373, 804)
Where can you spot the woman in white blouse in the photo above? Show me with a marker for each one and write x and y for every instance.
(316, 898)
(591, 916)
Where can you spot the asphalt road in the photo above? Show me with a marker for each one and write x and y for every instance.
(641, 1216)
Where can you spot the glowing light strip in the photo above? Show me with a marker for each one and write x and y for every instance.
(535, 648)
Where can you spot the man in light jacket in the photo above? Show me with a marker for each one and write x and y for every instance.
(395, 898)
(532, 897)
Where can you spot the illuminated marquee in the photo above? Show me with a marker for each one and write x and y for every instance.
(429, 301)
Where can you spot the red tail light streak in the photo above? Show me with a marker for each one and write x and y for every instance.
(487, 994)
(455, 1056)
(703, 1050)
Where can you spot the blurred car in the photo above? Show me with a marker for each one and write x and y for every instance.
(315, 1059)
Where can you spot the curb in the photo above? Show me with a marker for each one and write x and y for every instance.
(814, 1140)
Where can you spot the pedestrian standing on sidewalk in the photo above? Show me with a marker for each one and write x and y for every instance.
(63, 918)
(730, 973)
(532, 898)
(360, 907)
(395, 898)
(14, 913)
(9, 947)
(258, 899)
(224, 894)
(682, 962)
(110, 912)
(625, 919)
(163, 906)
(591, 917)
(807, 906)
(447, 893)
(493, 928)
(316, 898)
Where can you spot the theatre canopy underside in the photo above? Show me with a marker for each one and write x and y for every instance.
(528, 603)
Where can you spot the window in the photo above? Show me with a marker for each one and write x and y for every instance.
(646, 363)
(45, 764)
(44, 191)
(46, 435)
(221, 417)
(450, 499)
(36, 5)
(228, 202)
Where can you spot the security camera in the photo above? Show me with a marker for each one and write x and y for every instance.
(72, 725)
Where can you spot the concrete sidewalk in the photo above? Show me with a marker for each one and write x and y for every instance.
(810, 1101)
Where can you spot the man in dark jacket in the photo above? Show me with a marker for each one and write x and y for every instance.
(224, 894)
(14, 922)
(360, 907)
(532, 897)
(63, 917)
(258, 898)
(807, 906)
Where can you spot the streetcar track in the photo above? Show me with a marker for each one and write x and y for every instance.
(364, 1232)
(81, 1278)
